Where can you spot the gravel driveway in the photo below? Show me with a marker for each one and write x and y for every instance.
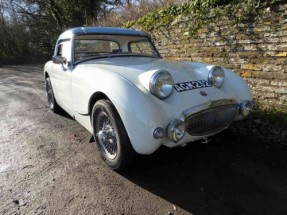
(48, 166)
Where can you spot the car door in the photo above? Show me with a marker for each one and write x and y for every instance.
(62, 75)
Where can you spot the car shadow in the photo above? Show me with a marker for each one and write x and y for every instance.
(61, 112)
(231, 175)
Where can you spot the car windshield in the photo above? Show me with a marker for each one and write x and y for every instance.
(97, 46)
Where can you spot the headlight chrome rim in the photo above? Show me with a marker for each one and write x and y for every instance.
(216, 81)
(161, 92)
(246, 108)
(176, 130)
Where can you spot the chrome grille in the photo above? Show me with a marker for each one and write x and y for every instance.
(211, 120)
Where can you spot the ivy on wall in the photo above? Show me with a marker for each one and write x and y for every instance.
(200, 10)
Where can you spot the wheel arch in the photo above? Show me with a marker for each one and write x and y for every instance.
(94, 98)
(136, 110)
(46, 75)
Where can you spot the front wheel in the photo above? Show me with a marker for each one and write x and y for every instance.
(111, 136)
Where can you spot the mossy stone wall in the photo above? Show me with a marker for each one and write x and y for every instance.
(256, 50)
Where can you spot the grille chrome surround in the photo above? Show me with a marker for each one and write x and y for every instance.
(216, 117)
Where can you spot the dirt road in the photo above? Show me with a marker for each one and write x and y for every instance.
(48, 166)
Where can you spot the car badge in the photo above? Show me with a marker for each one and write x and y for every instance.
(203, 93)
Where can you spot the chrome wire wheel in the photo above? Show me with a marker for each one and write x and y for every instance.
(53, 105)
(111, 136)
(50, 95)
(106, 136)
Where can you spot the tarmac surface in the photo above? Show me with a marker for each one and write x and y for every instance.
(48, 166)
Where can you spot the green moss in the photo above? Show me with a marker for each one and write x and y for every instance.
(272, 116)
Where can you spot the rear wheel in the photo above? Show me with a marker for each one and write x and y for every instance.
(50, 96)
(111, 136)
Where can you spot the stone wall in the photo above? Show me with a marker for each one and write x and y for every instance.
(256, 50)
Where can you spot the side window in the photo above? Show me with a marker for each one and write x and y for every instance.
(59, 50)
(64, 50)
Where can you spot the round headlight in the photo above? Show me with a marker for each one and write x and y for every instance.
(176, 130)
(246, 108)
(161, 84)
(216, 76)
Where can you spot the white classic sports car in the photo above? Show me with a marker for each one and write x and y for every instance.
(114, 82)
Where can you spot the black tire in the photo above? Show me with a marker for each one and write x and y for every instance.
(111, 136)
(52, 104)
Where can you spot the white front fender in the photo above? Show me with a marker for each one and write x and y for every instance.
(139, 115)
